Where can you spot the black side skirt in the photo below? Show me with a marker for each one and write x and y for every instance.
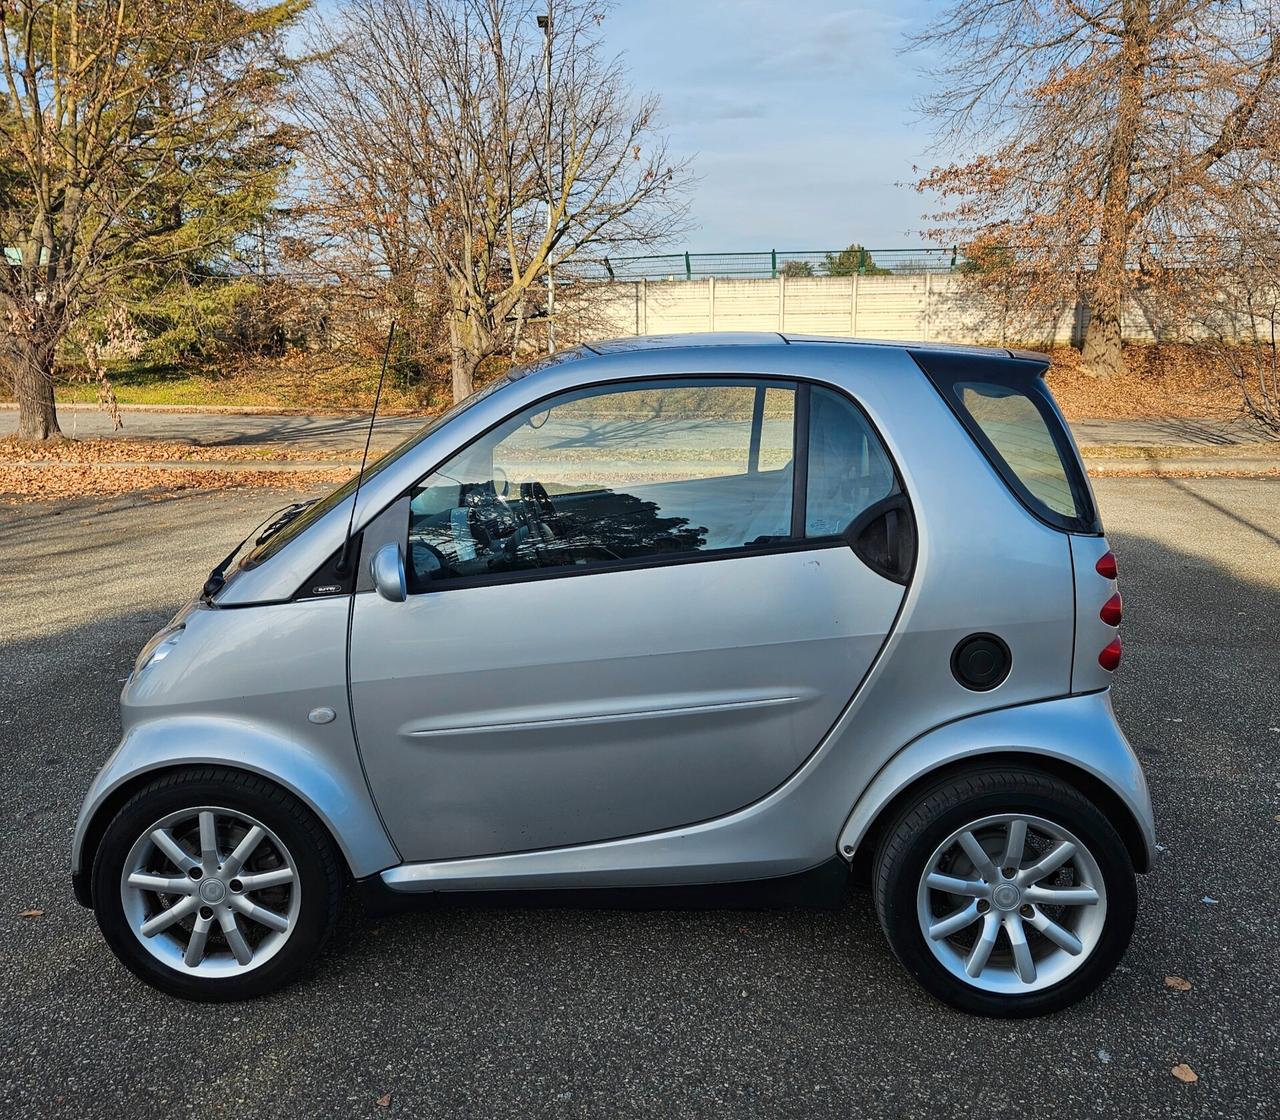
(824, 887)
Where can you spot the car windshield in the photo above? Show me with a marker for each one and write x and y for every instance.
(293, 527)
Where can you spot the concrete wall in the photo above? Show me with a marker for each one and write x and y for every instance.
(928, 307)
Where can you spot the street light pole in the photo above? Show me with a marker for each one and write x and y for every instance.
(544, 22)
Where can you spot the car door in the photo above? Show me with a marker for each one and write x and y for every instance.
(630, 609)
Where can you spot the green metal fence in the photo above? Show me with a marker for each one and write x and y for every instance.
(854, 261)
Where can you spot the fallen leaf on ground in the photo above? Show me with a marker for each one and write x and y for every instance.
(78, 480)
(1177, 983)
(384, 1101)
(30, 913)
(1184, 1072)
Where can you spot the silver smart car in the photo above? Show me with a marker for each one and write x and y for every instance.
(686, 614)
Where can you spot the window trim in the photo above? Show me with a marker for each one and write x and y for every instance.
(800, 463)
(799, 499)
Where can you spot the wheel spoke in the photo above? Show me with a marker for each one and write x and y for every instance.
(1023, 963)
(199, 939)
(208, 842)
(260, 914)
(235, 939)
(264, 879)
(166, 918)
(981, 951)
(1061, 852)
(978, 857)
(172, 850)
(1015, 843)
(243, 851)
(954, 922)
(1061, 896)
(1062, 937)
(144, 881)
(949, 884)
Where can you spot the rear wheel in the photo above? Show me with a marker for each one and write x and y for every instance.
(216, 885)
(1005, 892)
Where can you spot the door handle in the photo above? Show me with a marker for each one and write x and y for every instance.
(883, 536)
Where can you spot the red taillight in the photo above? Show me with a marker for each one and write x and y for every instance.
(1112, 610)
(1109, 658)
(1106, 565)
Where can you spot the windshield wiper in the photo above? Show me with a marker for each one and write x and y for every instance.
(280, 520)
(277, 521)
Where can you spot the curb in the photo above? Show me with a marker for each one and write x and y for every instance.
(1208, 466)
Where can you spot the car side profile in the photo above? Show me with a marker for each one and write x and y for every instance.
(678, 613)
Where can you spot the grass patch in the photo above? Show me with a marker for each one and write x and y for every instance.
(313, 383)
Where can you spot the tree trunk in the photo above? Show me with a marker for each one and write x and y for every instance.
(464, 372)
(1102, 355)
(32, 365)
(469, 345)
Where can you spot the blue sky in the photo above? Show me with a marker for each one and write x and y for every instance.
(797, 114)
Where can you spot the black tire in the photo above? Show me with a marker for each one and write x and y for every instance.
(939, 810)
(319, 871)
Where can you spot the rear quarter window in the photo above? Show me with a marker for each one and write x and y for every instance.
(1007, 408)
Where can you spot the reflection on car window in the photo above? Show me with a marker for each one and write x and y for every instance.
(1011, 421)
(849, 470)
(611, 474)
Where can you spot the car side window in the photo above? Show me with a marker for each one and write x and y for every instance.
(609, 474)
(1023, 439)
(849, 469)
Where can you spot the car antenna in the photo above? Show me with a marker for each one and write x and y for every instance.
(344, 557)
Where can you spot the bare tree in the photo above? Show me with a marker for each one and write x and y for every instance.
(1102, 142)
(438, 140)
(134, 133)
(1238, 312)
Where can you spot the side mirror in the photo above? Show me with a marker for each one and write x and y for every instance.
(387, 570)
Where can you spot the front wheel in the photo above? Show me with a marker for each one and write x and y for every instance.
(215, 885)
(1005, 892)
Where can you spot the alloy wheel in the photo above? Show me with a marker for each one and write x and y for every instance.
(1011, 903)
(210, 891)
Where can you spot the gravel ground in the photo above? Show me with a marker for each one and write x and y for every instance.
(595, 1013)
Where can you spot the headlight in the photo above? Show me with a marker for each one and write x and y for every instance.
(160, 646)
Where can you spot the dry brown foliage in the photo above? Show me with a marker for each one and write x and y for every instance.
(25, 483)
(1100, 147)
(89, 451)
(1170, 380)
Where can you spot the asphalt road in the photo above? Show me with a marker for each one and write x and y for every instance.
(302, 432)
(596, 1013)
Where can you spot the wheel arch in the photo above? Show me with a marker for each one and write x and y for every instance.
(340, 802)
(1078, 742)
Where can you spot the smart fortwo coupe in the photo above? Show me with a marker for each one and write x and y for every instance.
(655, 613)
